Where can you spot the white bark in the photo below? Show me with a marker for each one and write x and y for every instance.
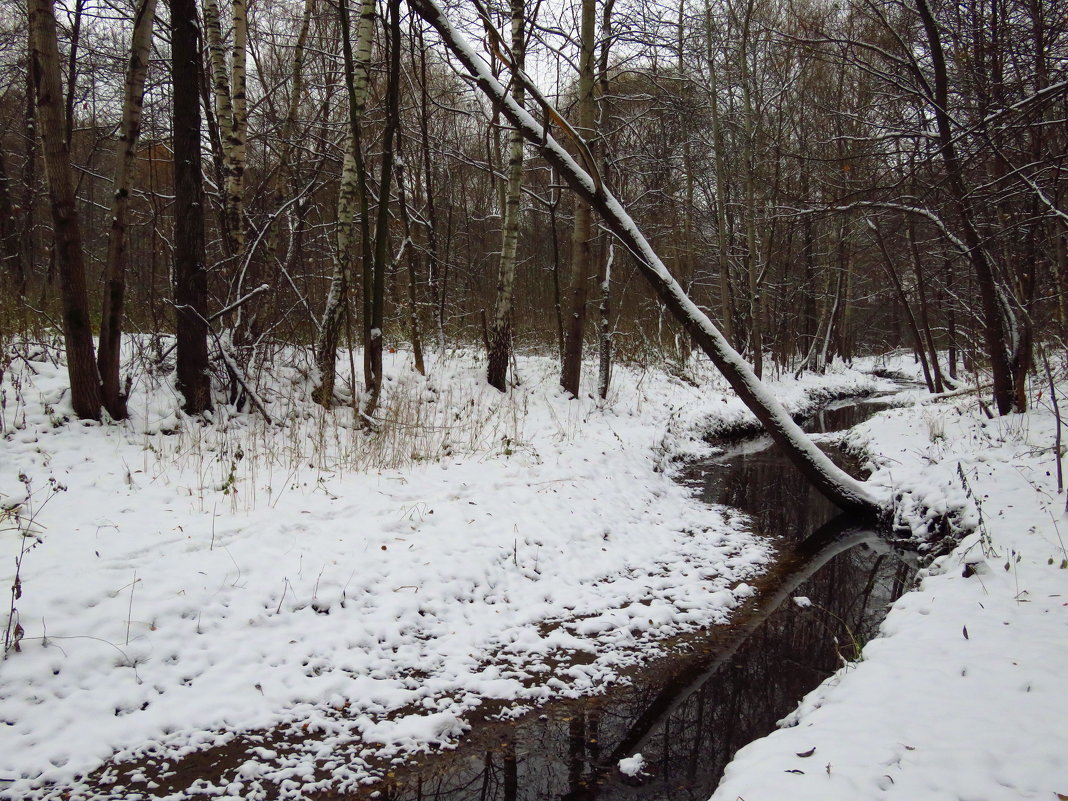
(348, 194)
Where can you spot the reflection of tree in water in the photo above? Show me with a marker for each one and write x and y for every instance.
(689, 717)
(688, 714)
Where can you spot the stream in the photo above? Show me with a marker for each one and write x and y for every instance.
(687, 714)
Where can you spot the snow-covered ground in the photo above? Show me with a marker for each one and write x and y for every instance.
(340, 597)
(327, 589)
(962, 696)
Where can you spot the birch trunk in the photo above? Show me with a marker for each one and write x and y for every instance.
(356, 78)
(500, 332)
(228, 86)
(604, 350)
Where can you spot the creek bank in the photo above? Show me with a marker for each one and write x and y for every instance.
(287, 630)
(960, 694)
(715, 689)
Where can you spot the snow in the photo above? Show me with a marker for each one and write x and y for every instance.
(837, 484)
(347, 590)
(321, 600)
(632, 765)
(961, 695)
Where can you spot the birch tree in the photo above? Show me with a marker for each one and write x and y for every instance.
(228, 67)
(350, 199)
(500, 330)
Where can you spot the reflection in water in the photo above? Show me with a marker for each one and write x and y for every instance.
(757, 478)
(688, 714)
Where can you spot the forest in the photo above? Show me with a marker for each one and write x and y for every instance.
(384, 383)
(241, 184)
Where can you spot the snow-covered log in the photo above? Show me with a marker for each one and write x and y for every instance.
(841, 488)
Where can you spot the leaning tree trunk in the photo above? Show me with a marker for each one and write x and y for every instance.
(839, 487)
(107, 356)
(500, 332)
(77, 330)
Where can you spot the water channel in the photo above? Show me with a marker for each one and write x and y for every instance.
(687, 714)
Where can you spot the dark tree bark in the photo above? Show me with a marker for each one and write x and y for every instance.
(582, 239)
(374, 321)
(1006, 395)
(190, 272)
(77, 331)
(12, 270)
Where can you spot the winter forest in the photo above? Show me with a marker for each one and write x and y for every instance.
(367, 367)
(824, 180)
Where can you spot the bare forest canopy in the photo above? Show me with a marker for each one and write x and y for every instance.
(820, 180)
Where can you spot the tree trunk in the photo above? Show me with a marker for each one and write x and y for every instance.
(12, 268)
(190, 271)
(408, 245)
(500, 330)
(604, 350)
(348, 205)
(374, 324)
(582, 259)
(77, 330)
(840, 488)
(111, 316)
(998, 348)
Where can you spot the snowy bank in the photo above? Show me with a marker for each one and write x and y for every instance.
(961, 696)
(306, 601)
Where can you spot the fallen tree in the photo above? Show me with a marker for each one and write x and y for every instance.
(839, 487)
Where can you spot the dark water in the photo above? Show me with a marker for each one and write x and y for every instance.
(687, 714)
(756, 477)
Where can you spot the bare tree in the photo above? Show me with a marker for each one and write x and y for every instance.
(500, 330)
(108, 350)
(77, 333)
(190, 270)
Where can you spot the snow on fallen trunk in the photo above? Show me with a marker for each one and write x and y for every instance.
(842, 489)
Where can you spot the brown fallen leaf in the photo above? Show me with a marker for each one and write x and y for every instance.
(808, 753)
